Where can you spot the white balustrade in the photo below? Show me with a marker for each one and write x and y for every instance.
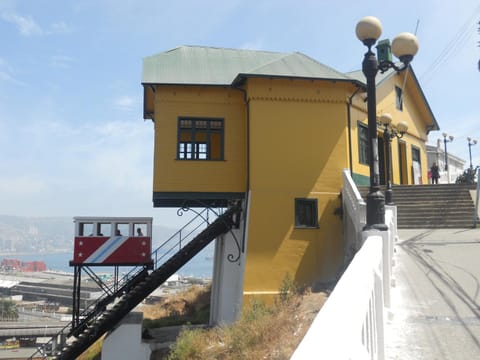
(354, 216)
(350, 325)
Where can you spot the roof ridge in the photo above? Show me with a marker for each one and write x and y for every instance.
(298, 53)
(226, 48)
(283, 56)
(320, 63)
(219, 48)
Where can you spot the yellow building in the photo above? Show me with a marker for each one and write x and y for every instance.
(273, 131)
(401, 96)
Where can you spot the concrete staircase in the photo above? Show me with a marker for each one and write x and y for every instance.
(432, 206)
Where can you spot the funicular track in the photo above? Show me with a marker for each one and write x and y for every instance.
(104, 314)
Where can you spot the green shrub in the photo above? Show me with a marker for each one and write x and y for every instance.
(288, 289)
(189, 345)
(201, 316)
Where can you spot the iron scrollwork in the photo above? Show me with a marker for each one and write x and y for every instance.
(231, 257)
(233, 222)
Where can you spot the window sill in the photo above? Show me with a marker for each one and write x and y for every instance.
(217, 160)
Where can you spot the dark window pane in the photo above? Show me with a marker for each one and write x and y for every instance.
(306, 213)
(415, 154)
(363, 144)
(399, 98)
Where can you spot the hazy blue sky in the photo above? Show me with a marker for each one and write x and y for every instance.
(72, 137)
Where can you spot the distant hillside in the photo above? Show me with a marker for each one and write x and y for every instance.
(35, 234)
(20, 234)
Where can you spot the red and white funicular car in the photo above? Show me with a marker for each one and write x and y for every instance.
(117, 241)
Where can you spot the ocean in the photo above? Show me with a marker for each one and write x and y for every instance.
(201, 266)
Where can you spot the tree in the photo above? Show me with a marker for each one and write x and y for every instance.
(468, 177)
(8, 310)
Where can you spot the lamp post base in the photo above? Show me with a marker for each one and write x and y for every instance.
(375, 211)
(389, 196)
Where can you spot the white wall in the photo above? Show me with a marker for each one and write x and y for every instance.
(125, 341)
(456, 165)
(227, 283)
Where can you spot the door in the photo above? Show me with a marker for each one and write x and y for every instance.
(402, 162)
(416, 166)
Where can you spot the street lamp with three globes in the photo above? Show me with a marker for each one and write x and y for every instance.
(390, 133)
(404, 47)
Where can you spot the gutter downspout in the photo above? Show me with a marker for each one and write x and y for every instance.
(247, 180)
(349, 124)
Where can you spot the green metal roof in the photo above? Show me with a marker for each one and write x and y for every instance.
(197, 65)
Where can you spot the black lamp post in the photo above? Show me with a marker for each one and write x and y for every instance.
(470, 144)
(445, 141)
(404, 47)
(389, 133)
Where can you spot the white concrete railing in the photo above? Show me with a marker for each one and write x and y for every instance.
(390, 238)
(477, 194)
(354, 216)
(354, 220)
(350, 326)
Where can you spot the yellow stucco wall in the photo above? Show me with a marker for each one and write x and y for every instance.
(172, 175)
(298, 148)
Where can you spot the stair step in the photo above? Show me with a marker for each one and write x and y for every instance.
(431, 206)
(422, 213)
(443, 226)
(434, 220)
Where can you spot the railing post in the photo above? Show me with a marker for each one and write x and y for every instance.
(386, 266)
(379, 313)
(381, 291)
(354, 209)
(475, 215)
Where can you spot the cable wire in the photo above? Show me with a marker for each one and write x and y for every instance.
(455, 44)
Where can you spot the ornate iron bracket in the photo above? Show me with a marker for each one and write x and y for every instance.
(385, 65)
(233, 222)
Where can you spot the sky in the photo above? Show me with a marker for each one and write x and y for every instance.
(72, 136)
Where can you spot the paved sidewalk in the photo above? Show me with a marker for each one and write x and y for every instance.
(435, 312)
